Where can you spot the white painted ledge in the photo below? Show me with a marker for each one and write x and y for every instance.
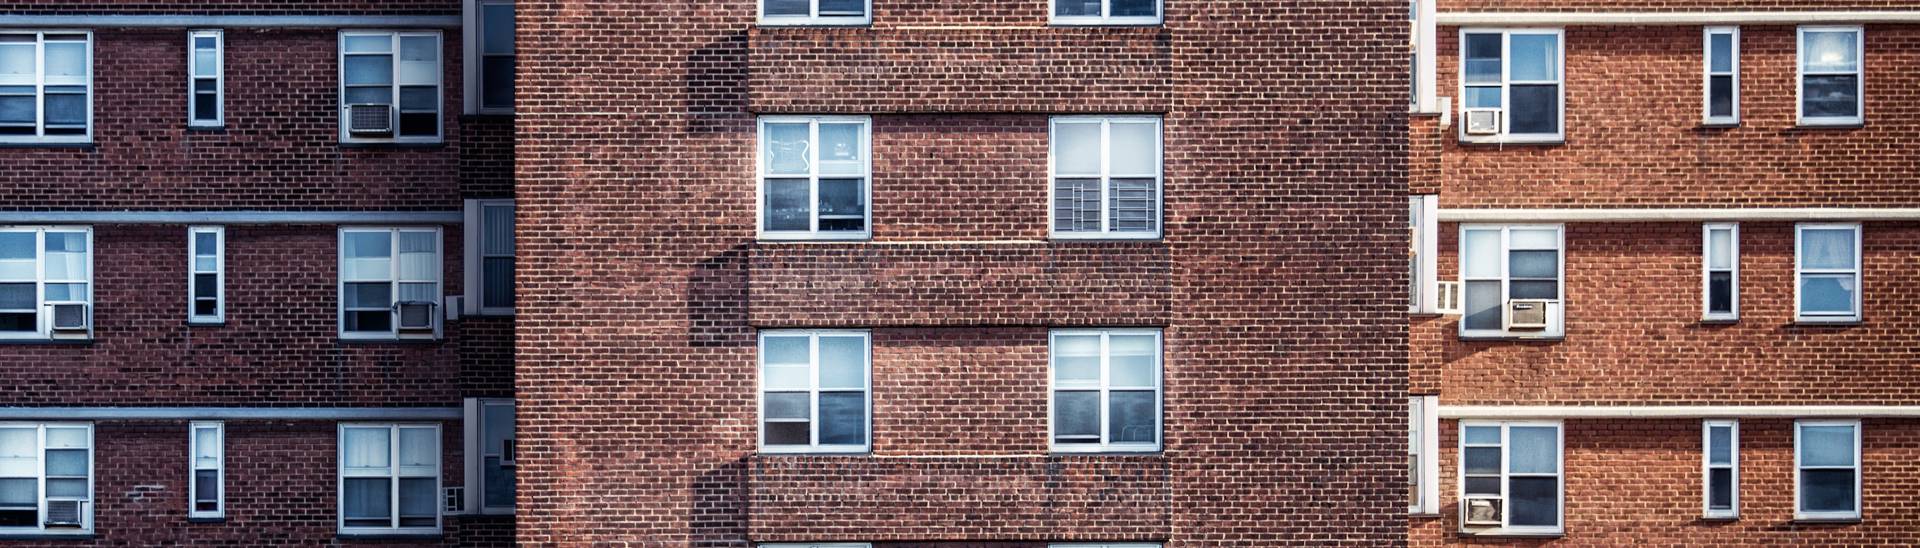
(1676, 411)
(1679, 214)
(1533, 18)
(233, 21)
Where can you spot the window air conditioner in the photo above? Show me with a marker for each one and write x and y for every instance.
(69, 316)
(1483, 121)
(63, 513)
(1527, 314)
(456, 499)
(415, 315)
(369, 118)
(1484, 512)
(1446, 298)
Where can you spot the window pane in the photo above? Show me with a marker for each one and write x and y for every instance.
(369, 43)
(17, 60)
(17, 296)
(788, 405)
(379, 95)
(1826, 490)
(1536, 109)
(1483, 97)
(17, 492)
(1534, 264)
(1130, 361)
(787, 205)
(366, 448)
(1132, 8)
(204, 286)
(367, 502)
(1076, 360)
(206, 448)
(1828, 51)
(16, 246)
(66, 487)
(18, 321)
(843, 205)
(1482, 254)
(415, 49)
(1826, 446)
(1520, 289)
(785, 7)
(17, 109)
(1827, 248)
(1535, 501)
(1483, 58)
(1132, 417)
(419, 447)
(787, 152)
(1132, 206)
(1483, 486)
(843, 362)
(498, 24)
(1483, 435)
(1076, 148)
(415, 98)
(418, 505)
(1076, 415)
(843, 7)
(1721, 45)
(1721, 445)
(1826, 293)
(1483, 460)
(786, 349)
(1720, 249)
(1483, 306)
(499, 483)
(1536, 57)
(1536, 450)
(1835, 96)
(498, 281)
(68, 59)
(66, 108)
(66, 462)
(417, 254)
(789, 433)
(1076, 7)
(1076, 205)
(1720, 488)
(496, 81)
(843, 418)
(1135, 148)
(419, 123)
(1720, 95)
(370, 70)
(206, 62)
(841, 143)
(1720, 292)
(369, 295)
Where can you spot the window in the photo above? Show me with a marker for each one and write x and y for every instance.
(205, 78)
(1827, 470)
(489, 264)
(1423, 228)
(819, 545)
(1423, 443)
(1830, 76)
(46, 277)
(1721, 264)
(206, 492)
(490, 455)
(1511, 482)
(1514, 75)
(813, 177)
(206, 274)
(1104, 545)
(46, 478)
(1420, 82)
(1721, 461)
(378, 68)
(46, 86)
(1723, 75)
(1501, 264)
(1106, 390)
(389, 479)
(813, 392)
(1106, 12)
(1828, 268)
(815, 12)
(389, 283)
(1106, 177)
(489, 40)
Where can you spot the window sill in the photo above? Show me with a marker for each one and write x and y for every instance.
(207, 129)
(47, 536)
(769, 452)
(1512, 140)
(51, 144)
(1826, 521)
(1803, 322)
(406, 342)
(71, 342)
(1720, 519)
(812, 22)
(1103, 238)
(387, 536)
(1719, 321)
(1849, 124)
(1097, 22)
(777, 237)
(1513, 338)
(1719, 125)
(206, 323)
(1503, 533)
(207, 520)
(1058, 452)
(392, 145)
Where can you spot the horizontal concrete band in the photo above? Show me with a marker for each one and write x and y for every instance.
(230, 413)
(1676, 411)
(1520, 18)
(233, 21)
(1680, 214)
(233, 217)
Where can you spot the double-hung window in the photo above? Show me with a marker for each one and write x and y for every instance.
(1105, 385)
(490, 442)
(390, 87)
(1831, 76)
(1508, 272)
(205, 77)
(389, 479)
(206, 274)
(46, 280)
(206, 487)
(1511, 477)
(46, 478)
(1106, 12)
(814, 175)
(489, 257)
(1513, 84)
(816, 12)
(46, 86)
(1722, 83)
(813, 392)
(1826, 457)
(1721, 272)
(490, 60)
(1721, 463)
(1421, 39)
(1423, 230)
(1106, 177)
(390, 283)
(1423, 445)
(1828, 272)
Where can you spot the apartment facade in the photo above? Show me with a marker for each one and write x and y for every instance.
(256, 273)
(1661, 273)
(960, 274)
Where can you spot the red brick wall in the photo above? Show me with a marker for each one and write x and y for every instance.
(1667, 5)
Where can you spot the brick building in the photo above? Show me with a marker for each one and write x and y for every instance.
(255, 273)
(1662, 272)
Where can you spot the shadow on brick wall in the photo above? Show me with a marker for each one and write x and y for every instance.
(716, 305)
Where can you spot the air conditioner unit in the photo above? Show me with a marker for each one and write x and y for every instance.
(1527, 314)
(63, 513)
(1446, 298)
(415, 315)
(1483, 121)
(369, 118)
(456, 499)
(1484, 512)
(69, 316)
(507, 448)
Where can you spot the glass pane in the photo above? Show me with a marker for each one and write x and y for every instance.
(1826, 293)
(419, 447)
(1483, 97)
(787, 152)
(17, 296)
(204, 286)
(1130, 361)
(1483, 58)
(1519, 289)
(1483, 435)
(499, 483)
(1826, 248)
(66, 438)
(1132, 206)
(1826, 446)
(1076, 7)
(369, 43)
(1826, 490)
(1483, 306)
(1720, 488)
(1534, 501)
(1720, 292)
(372, 70)
(367, 500)
(1132, 8)
(417, 253)
(1076, 205)
(843, 362)
(497, 428)
(18, 321)
(206, 489)
(16, 492)
(1536, 109)
(1135, 149)
(418, 503)
(1533, 264)
(1720, 450)
(1536, 57)
(497, 21)
(206, 448)
(1132, 417)
(419, 49)
(789, 433)
(785, 7)
(370, 321)
(843, 418)
(1483, 486)
(16, 246)
(1536, 450)
(496, 81)
(415, 98)
(1720, 96)
(366, 448)
(1831, 96)
(205, 244)
(76, 488)
(498, 225)
(369, 245)
(1483, 460)
(1076, 148)
(787, 205)
(1076, 360)
(17, 109)
(1076, 415)
(787, 350)
(843, 205)
(369, 295)
(206, 62)
(419, 124)
(1828, 51)
(498, 281)
(68, 59)
(66, 109)
(1720, 249)
(840, 143)
(66, 462)
(843, 7)
(1482, 254)
(380, 95)
(17, 60)
(788, 405)
(1721, 46)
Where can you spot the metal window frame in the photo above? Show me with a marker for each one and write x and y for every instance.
(1105, 390)
(194, 431)
(1706, 81)
(1506, 134)
(813, 392)
(473, 45)
(1556, 314)
(1506, 527)
(439, 85)
(395, 281)
(1424, 222)
(813, 17)
(42, 306)
(474, 432)
(1707, 270)
(219, 78)
(1106, 177)
(762, 158)
(1707, 466)
(474, 268)
(1104, 18)
(1800, 273)
(40, 85)
(219, 274)
(40, 453)
(1859, 73)
(1424, 443)
(394, 475)
(1799, 512)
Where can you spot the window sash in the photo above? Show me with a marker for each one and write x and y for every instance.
(1800, 512)
(814, 17)
(1105, 17)
(1732, 270)
(813, 176)
(1506, 278)
(488, 242)
(40, 81)
(1106, 177)
(1508, 82)
(1105, 390)
(197, 268)
(1732, 74)
(217, 78)
(396, 282)
(40, 476)
(814, 390)
(1423, 449)
(397, 81)
(1708, 466)
(393, 472)
(1802, 71)
(1506, 475)
(479, 448)
(196, 430)
(1802, 273)
(42, 278)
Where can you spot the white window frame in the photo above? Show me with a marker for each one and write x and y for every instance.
(1707, 466)
(815, 545)
(473, 236)
(1707, 72)
(1506, 471)
(812, 18)
(1556, 312)
(39, 84)
(1103, 545)
(393, 331)
(219, 273)
(394, 474)
(1799, 273)
(196, 429)
(1103, 19)
(472, 39)
(1424, 97)
(43, 307)
(1423, 215)
(40, 452)
(1423, 445)
(474, 432)
(1707, 270)
(1506, 135)
(813, 392)
(1860, 77)
(1801, 514)
(1105, 390)
(813, 177)
(1106, 177)
(219, 78)
(439, 86)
